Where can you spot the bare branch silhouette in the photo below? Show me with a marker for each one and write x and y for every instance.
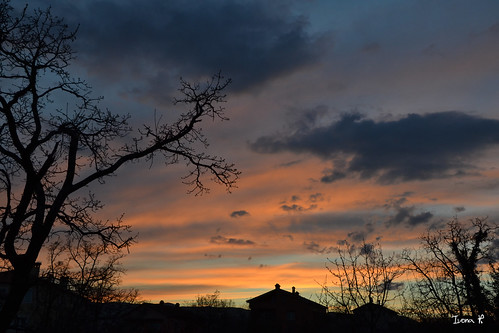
(50, 153)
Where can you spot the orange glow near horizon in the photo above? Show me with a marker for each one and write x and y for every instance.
(285, 234)
(232, 282)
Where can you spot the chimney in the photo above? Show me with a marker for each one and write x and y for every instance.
(277, 286)
(293, 290)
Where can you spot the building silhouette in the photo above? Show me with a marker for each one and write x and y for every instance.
(282, 311)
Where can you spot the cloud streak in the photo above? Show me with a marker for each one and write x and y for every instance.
(239, 213)
(221, 240)
(297, 208)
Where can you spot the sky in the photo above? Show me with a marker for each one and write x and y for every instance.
(349, 120)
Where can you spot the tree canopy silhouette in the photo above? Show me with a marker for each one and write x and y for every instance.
(50, 153)
(455, 271)
(360, 275)
(212, 300)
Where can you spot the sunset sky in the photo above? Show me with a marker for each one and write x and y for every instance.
(349, 120)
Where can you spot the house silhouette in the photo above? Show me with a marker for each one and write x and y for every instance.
(282, 311)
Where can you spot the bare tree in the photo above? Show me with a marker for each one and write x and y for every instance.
(49, 154)
(454, 271)
(212, 300)
(360, 275)
(91, 270)
(80, 274)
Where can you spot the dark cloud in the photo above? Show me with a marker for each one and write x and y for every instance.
(357, 236)
(361, 235)
(251, 42)
(316, 197)
(333, 175)
(297, 208)
(299, 205)
(406, 214)
(239, 213)
(230, 241)
(317, 248)
(293, 207)
(419, 218)
(459, 209)
(416, 147)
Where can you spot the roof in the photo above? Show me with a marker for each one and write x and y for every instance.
(284, 295)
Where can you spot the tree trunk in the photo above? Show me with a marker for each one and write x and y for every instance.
(21, 281)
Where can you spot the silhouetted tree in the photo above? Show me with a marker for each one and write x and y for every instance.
(50, 154)
(455, 271)
(494, 287)
(212, 300)
(80, 273)
(91, 270)
(360, 275)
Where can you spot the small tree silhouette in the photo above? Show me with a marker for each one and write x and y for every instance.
(91, 270)
(213, 300)
(80, 273)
